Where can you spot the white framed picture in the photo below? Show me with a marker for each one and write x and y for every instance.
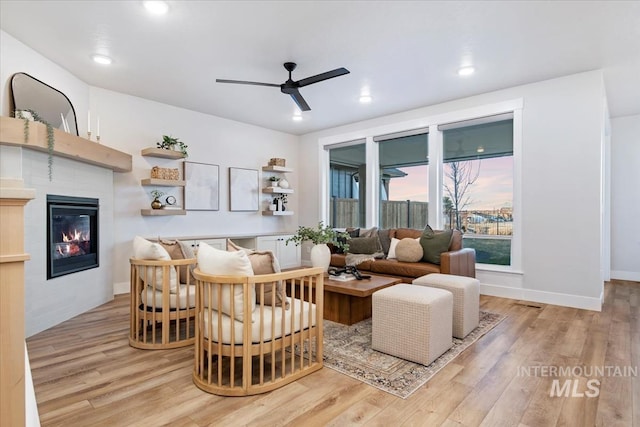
(243, 189)
(202, 189)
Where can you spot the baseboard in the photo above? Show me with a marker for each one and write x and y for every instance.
(121, 288)
(634, 276)
(565, 300)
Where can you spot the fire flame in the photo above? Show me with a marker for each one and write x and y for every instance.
(75, 236)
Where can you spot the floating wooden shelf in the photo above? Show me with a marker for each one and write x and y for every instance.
(277, 213)
(164, 182)
(277, 190)
(66, 145)
(162, 153)
(162, 212)
(276, 169)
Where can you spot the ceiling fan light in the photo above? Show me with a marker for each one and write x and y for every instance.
(101, 59)
(156, 7)
(297, 118)
(365, 99)
(466, 71)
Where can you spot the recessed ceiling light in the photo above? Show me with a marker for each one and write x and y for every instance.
(101, 59)
(365, 99)
(296, 117)
(480, 149)
(466, 71)
(156, 7)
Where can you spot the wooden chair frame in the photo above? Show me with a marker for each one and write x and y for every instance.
(159, 327)
(250, 367)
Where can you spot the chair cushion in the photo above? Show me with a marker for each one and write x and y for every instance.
(264, 262)
(262, 322)
(222, 263)
(180, 250)
(144, 249)
(185, 297)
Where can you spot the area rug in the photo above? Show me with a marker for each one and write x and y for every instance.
(347, 349)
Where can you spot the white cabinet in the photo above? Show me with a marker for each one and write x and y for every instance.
(288, 255)
(214, 243)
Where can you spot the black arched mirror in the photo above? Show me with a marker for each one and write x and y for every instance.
(52, 106)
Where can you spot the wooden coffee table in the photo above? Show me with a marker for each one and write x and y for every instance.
(350, 302)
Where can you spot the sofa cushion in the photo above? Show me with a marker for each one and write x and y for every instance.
(392, 267)
(401, 233)
(433, 244)
(223, 263)
(368, 232)
(409, 250)
(144, 249)
(394, 245)
(385, 240)
(353, 232)
(365, 245)
(264, 262)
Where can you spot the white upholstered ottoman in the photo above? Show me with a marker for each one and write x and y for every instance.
(466, 299)
(412, 322)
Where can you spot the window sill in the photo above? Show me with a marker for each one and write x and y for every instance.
(498, 269)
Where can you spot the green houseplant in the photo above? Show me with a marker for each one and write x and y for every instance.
(156, 203)
(320, 236)
(27, 115)
(169, 143)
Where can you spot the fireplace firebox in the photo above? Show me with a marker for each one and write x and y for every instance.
(72, 234)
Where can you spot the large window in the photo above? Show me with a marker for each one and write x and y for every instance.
(478, 185)
(347, 185)
(456, 170)
(404, 179)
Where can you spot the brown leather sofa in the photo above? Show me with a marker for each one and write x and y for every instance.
(458, 260)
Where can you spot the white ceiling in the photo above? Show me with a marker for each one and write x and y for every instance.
(406, 53)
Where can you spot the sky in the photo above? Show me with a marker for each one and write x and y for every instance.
(492, 190)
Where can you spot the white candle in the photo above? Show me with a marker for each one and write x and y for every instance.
(98, 127)
(88, 121)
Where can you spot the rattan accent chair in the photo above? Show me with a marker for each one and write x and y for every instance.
(160, 318)
(262, 351)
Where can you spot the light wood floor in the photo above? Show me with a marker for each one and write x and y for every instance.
(85, 374)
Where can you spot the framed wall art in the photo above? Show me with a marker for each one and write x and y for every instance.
(202, 189)
(243, 189)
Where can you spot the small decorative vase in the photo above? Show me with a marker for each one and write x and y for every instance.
(284, 183)
(274, 183)
(156, 204)
(321, 256)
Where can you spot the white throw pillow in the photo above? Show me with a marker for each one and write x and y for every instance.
(221, 263)
(144, 249)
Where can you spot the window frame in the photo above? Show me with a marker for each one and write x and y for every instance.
(435, 139)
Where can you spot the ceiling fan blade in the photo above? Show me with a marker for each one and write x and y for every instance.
(324, 76)
(298, 99)
(242, 82)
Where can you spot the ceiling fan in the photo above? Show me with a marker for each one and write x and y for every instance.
(291, 87)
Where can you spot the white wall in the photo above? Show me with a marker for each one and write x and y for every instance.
(127, 124)
(561, 176)
(130, 124)
(625, 198)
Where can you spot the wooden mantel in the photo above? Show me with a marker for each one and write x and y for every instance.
(66, 145)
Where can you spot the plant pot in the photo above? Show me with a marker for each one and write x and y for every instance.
(321, 256)
(156, 204)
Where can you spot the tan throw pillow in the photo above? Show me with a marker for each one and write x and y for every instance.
(222, 263)
(144, 249)
(180, 250)
(408, 250)
(264, 262)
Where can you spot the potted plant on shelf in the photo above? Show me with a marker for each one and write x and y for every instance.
(156, 203)
(274, 181)
(170, 143)
(320, 236)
